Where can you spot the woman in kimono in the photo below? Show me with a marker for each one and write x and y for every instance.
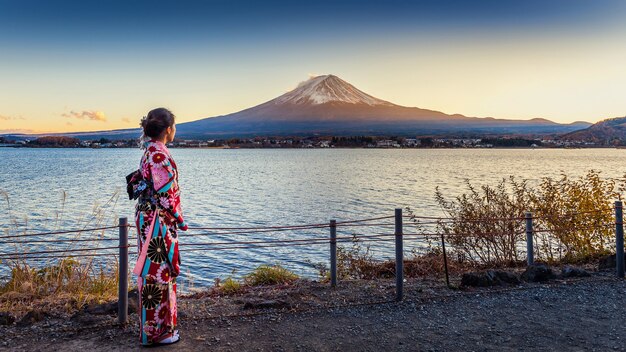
(158, 218)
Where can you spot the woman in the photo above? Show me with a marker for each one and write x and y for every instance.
(158, 216)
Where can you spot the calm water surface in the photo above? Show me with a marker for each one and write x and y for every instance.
(51, 189)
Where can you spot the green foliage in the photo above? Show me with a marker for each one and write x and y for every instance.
(270, 275)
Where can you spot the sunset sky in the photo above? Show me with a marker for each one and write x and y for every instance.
(82, 65)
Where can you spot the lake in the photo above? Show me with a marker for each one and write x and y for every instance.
(57, 189)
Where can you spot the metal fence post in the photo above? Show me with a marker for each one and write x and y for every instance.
(619, 239)
(399, 256)
(333, 253)
(445, 260)
(122, 303)
(529, 238)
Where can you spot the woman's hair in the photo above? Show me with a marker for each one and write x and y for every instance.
(157, 121)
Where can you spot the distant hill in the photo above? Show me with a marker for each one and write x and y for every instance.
(328, 105)
(603, 132)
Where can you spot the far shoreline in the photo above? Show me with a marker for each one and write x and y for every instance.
(330, 148)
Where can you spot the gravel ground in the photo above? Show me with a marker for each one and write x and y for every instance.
(584, 314)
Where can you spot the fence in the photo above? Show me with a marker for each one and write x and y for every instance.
(398, 237)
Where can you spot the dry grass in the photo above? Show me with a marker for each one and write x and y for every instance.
(65, 284)
(229, 286)
(59, 285)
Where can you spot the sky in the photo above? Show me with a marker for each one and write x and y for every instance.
(83, 66)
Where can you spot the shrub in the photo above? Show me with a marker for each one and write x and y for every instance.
(228, 286)
(481, 229)
(270, 275)
(357, 262)
(572, 218)
(576, 216)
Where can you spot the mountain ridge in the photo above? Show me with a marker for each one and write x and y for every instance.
(328, 105)
(603, 132)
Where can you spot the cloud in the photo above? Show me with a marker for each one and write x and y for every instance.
(18, 130)
(125, 119)
(86, 115)
(7, 118)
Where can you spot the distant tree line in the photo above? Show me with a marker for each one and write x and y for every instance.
(353, 141)
(510, 142)
(56, 141)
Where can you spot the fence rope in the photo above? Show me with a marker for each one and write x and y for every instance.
(315, 239)
(274, 243)
(62, 232)
(290, 227)
(68, 250)
(263, 229)
(111, 254)
(280, 245)
(60, 240)
(254, 231)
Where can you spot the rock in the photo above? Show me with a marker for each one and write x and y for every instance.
(507, 277)
(6, 319)
(476, 280)
(101, 309)
(570, 271)
(608, 262)
(265, 304)
(112, 307)
(133, 301)
(84, 318)
(488, 278)
(537, 273)
(31, 317)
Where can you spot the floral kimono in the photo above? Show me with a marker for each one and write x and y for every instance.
(158, 216)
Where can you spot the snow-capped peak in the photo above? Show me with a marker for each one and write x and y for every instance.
(325, 89)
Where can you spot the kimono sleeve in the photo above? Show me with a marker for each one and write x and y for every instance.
(166, 186)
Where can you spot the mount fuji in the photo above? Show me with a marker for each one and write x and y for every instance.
(328, 105)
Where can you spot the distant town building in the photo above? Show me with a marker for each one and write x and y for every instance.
(411, 142)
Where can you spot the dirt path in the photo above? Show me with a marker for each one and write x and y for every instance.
(577, 315)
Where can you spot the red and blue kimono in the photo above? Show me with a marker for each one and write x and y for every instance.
(158, 217)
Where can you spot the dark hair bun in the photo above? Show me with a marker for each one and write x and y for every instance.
(156, 122)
